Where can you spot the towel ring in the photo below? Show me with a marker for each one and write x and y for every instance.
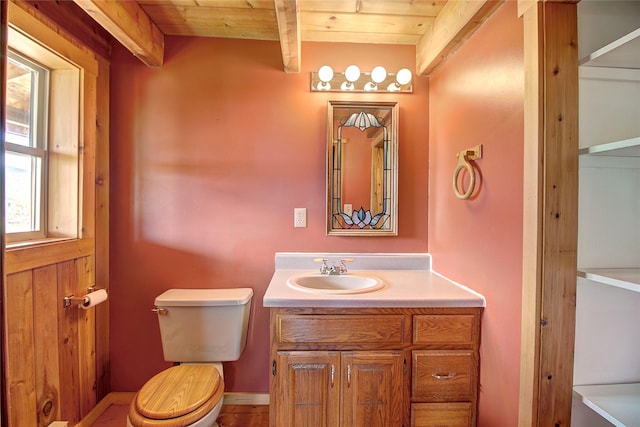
(463, 163)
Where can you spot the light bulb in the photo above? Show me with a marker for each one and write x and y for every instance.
(403, 76)
(378, 74)
(325, 73)
(352, 73)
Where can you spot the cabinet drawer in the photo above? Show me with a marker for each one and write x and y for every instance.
(440, 375)
(443, 329)
(376, 330)
(456, 414)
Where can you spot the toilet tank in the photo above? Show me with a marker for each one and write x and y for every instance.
(203, 325)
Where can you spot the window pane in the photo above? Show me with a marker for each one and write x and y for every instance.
(22, 192)
(25, 145)
(20, 103)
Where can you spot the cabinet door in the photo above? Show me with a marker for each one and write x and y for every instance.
(308, 389)
(372, 388)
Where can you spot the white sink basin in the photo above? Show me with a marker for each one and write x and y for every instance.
(351, 283)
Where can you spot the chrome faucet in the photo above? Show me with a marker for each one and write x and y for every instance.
(334, 269)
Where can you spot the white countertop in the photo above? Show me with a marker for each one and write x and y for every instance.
(412, 285)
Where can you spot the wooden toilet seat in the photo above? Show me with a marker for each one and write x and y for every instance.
(177, 397)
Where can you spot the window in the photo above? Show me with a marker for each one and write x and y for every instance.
(27, 90)
(43, 142)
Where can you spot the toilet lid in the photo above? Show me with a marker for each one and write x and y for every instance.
(178, 391)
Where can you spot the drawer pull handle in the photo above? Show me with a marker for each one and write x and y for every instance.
(348, 375)
(444, 376)
(333, 373)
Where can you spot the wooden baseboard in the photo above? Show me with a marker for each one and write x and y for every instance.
(233, 398)
(114, 398)
(124, 398)
(119, 397)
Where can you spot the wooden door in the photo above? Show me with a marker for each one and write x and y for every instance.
(308, 389)
(372, 388)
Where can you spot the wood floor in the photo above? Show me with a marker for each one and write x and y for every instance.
(230, 416)
(244, 416)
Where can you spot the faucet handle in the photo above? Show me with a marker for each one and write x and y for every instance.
(342, 268)
(324, 268)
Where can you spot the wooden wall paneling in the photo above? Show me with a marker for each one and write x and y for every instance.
(88, 153)
(532, 216)
(73, 19)
(550, 212)
(560, 267)
(39, 27)
(3, 281)
(63, 153)
(20, 360)
(27, 258)
(45, 322)
(86, 339)
(102, 227)
(68, 344)
(53, 355)
(51, 370)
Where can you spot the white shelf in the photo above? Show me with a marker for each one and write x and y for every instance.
(625, 148)
(626, 278)
(617, 403)
(622, 53)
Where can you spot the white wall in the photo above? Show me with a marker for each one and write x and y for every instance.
(607, 347)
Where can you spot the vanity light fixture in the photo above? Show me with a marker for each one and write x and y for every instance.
(352, 80)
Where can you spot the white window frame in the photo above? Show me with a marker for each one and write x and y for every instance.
(63, 206)
(37, 149)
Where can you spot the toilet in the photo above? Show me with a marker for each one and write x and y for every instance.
(200, 329)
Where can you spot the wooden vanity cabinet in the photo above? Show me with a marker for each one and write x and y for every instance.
(329, 388)
(376, 367)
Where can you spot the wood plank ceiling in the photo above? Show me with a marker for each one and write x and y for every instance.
(435, 27)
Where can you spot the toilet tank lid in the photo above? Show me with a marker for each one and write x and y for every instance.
(204, 297)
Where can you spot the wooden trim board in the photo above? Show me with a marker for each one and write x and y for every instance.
(125, 398)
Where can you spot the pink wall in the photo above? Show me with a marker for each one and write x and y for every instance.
(477, 97)
(210, 154)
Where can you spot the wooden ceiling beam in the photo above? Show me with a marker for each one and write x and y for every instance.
(288, 15)
(130, 25)
(455, 23)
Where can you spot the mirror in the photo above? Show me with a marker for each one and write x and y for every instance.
(362, 168)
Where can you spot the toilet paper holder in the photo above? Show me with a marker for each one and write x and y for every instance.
(70, 300)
